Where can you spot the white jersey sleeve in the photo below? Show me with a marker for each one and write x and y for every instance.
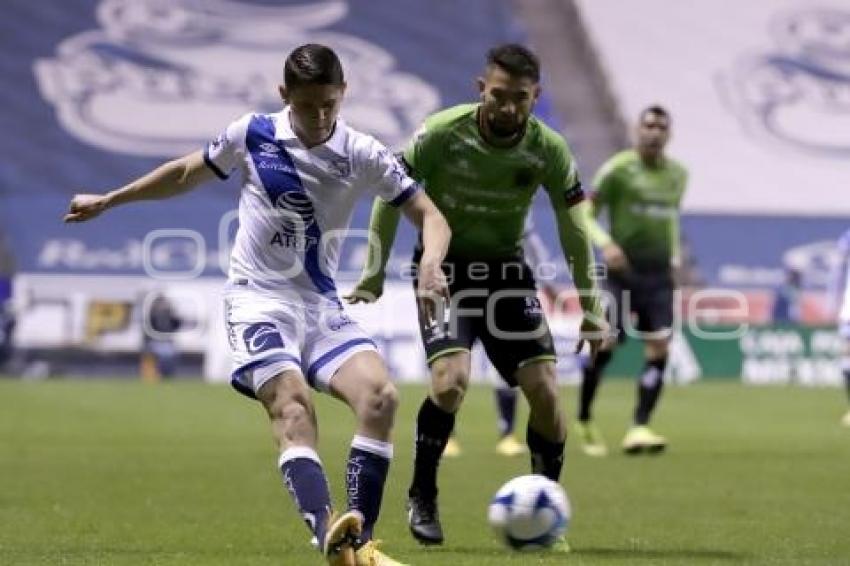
(224, 153)
(384, 173)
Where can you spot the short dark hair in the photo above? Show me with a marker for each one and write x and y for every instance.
(312, 64)
(656, 109)
(517, 60)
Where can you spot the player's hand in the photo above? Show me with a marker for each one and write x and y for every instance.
(85, 207)
(433, 292)
(597, 333)
(368, 290)
(614, 258)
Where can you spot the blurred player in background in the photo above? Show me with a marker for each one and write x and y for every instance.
(159, 350)
(841, 295)
(302, 170)
(7, 311)
(786, 305)
(482, 164)
(508, 445)
(641, 189)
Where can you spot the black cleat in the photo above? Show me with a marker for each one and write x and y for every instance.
(423, 518)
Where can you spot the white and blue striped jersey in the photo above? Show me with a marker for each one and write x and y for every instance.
(296, 203)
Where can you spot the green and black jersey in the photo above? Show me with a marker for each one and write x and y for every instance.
(484, 191)
(643, 208)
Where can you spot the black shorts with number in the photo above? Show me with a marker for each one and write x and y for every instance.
(493, 301)
(646, 294)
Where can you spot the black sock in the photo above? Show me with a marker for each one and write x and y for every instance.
(649, 387)
(433, 428)
(592, 374)
(547, 457)
(506, 404)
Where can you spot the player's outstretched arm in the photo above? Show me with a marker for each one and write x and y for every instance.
(575, 241)
(436, 234)
(613, 255)
(167, 180)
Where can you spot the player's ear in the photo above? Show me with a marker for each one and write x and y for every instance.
(538, 90)
(283, 94)
(481, 84)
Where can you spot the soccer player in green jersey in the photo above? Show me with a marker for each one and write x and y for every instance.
(641, 189)
(482, 164)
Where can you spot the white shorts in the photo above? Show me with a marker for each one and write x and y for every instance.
(268, 336)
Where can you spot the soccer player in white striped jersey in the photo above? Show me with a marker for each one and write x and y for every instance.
(302, 170)
(841, 293)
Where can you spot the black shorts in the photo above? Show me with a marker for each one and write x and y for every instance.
(495, 302)
(648, 295)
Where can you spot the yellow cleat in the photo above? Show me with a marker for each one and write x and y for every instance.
(561, 546)
(369, 555)
(591, 439)
(343, 531)
(641, 439)
(510, 447)
(845, 420)
(452, 449)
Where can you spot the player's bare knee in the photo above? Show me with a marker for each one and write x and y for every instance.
(294, 410)
(542, 395)
(657, 349)
(286, 400)
(384, 400)
(449, 383)
(379, 403)
(659, 354)
(539, 385)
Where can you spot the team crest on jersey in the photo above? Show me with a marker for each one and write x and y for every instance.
(217, 142)
(262, 336)
(197, 65)
(794, 92)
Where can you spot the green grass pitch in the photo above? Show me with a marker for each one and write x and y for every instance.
(118, 473)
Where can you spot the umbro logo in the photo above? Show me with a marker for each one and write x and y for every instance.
(268, 149)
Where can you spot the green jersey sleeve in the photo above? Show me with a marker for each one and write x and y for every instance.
(420, 153)
(561, 179)
(675, 228)
(562, 183)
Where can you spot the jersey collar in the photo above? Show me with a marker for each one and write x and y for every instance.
(336, 143)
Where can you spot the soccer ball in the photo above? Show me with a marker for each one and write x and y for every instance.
(529, 512)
